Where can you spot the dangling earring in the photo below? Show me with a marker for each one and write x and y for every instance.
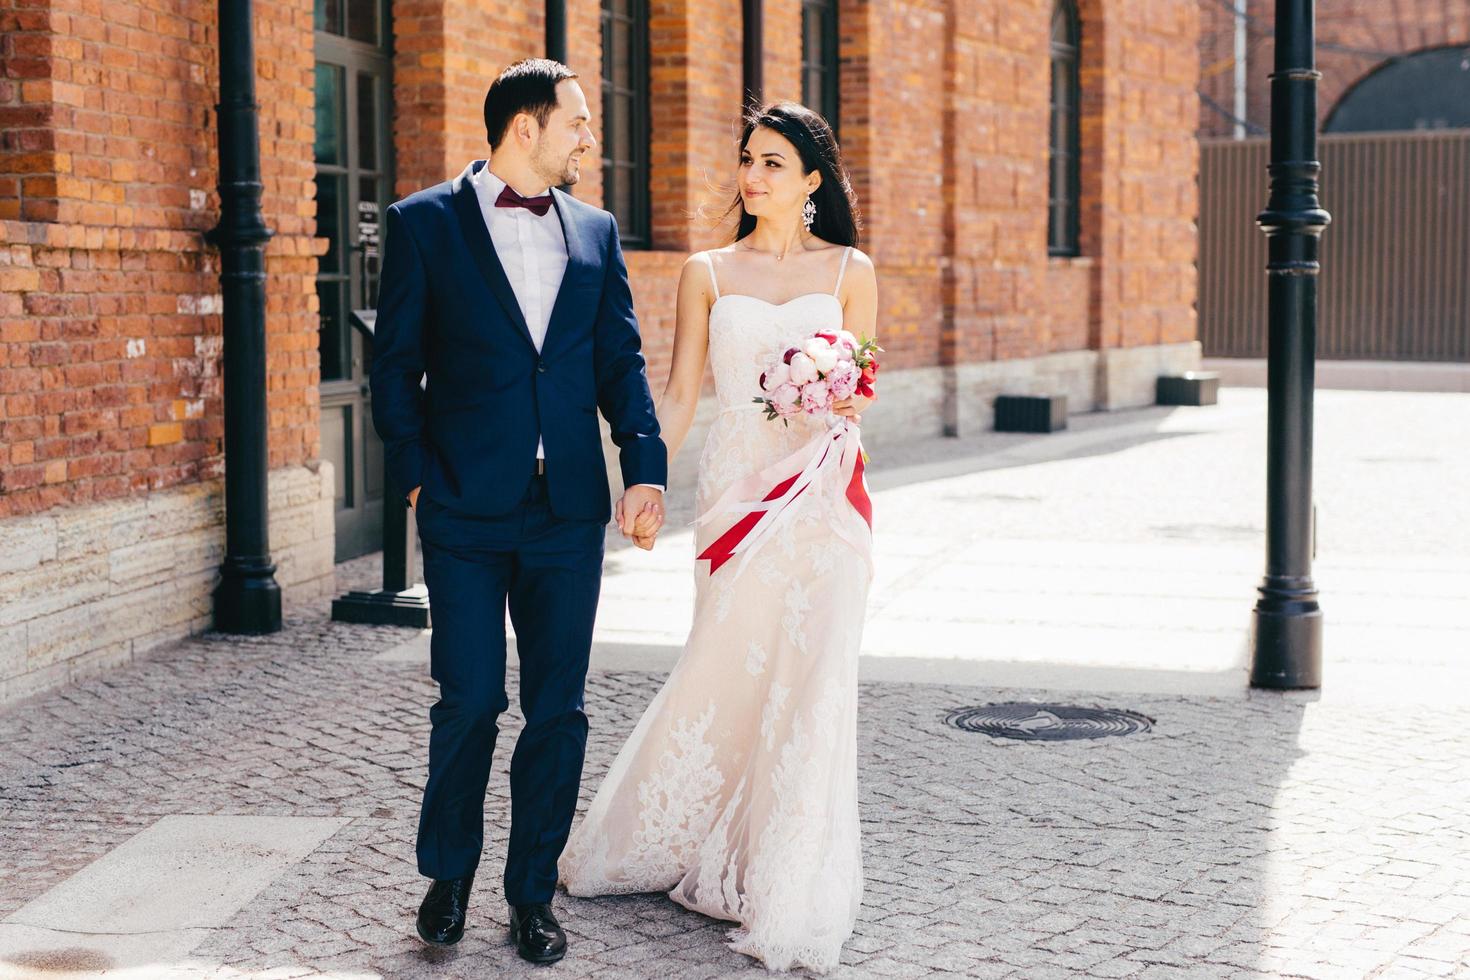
(808, 214)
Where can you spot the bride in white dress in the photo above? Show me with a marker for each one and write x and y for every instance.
(737, 791)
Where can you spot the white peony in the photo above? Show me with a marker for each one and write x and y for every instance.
(821, 353)
(803, 369)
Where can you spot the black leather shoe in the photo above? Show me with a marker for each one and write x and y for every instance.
(441, 916)
(536, 933)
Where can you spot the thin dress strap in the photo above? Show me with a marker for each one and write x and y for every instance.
(846, 252)
(712, 280)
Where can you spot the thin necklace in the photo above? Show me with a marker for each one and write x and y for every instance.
(750, 248)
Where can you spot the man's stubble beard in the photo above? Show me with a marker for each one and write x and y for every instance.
(557, 175)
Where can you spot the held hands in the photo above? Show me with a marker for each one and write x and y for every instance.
(640, 515)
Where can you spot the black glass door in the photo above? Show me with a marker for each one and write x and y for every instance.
(354, 183)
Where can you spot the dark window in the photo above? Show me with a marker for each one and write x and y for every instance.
(1425, 90)
(625, 118)
(819, 57)
(359, 20)
(1063, 191)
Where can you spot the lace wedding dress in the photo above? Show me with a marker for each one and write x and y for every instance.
(737, 791)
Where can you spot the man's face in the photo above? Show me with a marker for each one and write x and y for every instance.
(566, 137)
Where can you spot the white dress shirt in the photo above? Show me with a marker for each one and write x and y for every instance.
(533, 252)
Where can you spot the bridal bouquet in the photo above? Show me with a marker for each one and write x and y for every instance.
(826, 368)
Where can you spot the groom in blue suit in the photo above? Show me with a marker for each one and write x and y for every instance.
(512, 297)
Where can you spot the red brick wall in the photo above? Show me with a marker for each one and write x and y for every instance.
(1134, 283)
(109, 311)
(781, 59)
(1067, 299)
(1354, 38)
(109, 308)
(584, 56)
(1001, 68)
(1155, 179)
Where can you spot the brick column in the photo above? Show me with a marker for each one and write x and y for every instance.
(782, 51)
(695, 113)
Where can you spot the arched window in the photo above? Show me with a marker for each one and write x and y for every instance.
(1424, 90)
(1063, 191)
(819, 57)
(625, 119)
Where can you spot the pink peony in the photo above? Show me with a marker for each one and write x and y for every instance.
(843, 380)
(775, 377)
(786, 399)
(803, 369)
(816, 398)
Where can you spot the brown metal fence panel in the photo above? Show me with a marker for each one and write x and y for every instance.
(1395, 260)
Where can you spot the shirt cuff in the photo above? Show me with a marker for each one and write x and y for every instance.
(657, 486)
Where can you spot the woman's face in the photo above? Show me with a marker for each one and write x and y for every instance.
(770, 177)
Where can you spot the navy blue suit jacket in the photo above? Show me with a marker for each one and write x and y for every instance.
(446, 308)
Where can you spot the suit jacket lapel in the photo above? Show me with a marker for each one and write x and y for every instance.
(582, 262)
(482, 249)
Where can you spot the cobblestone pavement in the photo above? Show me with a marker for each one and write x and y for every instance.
(1247, 836)
(1253, 835)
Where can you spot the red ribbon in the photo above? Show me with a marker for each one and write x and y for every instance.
(722, 549)
(857, 492)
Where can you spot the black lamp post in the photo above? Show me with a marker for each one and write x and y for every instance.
(752, 54)
(247, 600)
(556, 30)
(1286, 626)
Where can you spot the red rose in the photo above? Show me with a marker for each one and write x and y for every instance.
(866, 390)
(830, 338)
(869, 374)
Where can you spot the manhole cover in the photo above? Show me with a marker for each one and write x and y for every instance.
(1047, 722)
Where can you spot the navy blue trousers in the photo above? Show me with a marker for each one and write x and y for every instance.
(548, 571)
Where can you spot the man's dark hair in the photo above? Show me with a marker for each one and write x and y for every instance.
(527, 86)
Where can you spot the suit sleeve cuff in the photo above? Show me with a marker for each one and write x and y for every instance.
(406, 468)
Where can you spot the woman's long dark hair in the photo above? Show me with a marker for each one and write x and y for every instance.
(837, 218)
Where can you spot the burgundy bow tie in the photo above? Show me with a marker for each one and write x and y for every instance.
(536, 205)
